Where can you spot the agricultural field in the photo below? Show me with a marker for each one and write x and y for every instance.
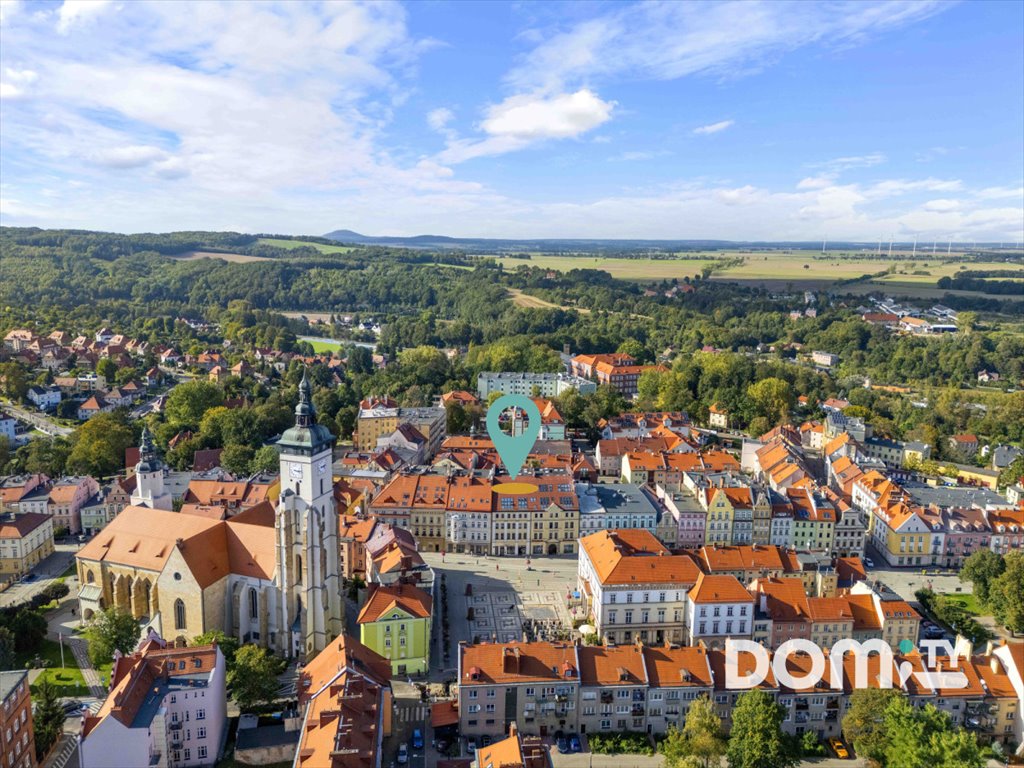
(624, 269)
(291, 244)
(521, 299)
(236, 258)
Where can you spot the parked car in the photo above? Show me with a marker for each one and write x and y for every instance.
(839, 748)
(933, 632)
(471, 745)
(403, 754)
(575, 745)
(417, 739)
(562, 745)
(869, 562)
(71, 707)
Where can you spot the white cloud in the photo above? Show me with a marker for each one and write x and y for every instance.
(669, 40)
(74, 12)
(135, 156)
(840, 164)
(704, 130)
(439, 118)
(637, 155)
(996, 193)
(521, 120)
(816, 182)
(941, 205)
(8, 9)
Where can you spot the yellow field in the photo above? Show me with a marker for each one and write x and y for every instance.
(290, 244)
(237, 258)
(624, 269)
(521, 299)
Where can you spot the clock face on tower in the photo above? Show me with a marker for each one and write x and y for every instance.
(295, 470)
(321, 466)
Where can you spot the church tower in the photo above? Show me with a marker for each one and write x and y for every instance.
(312, 612)
(149, 477)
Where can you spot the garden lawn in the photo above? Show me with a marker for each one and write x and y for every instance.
(966, 601)
(68, 679)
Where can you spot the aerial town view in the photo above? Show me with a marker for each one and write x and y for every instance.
(465, 384)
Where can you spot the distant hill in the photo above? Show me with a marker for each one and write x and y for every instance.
(561, 245)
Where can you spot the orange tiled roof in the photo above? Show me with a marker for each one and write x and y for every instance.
(492, 663)
(620, 665)
(635, 556)
(719, 589)
(405, 597)
(669, 667)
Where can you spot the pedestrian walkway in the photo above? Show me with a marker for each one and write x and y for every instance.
(418, 715)
(92, 679)
(62, 753)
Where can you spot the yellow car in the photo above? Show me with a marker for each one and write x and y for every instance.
(839, 748)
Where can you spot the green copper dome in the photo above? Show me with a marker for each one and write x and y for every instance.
(306, 437)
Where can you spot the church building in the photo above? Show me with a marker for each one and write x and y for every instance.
(267, 575)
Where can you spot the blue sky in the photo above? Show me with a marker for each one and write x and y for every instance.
(788, 120)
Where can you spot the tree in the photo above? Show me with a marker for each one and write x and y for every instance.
(15, 381)
(48, 717)
(981, 569)
(228, 644)
(634, 349)
(107, 368)
(756, 739)
(236, 459)
(265, 459)
(1013, 472)
(1007, 593)
(7, 648)
(99, 446)
(253, 680)
(5, 451)
(772, 398)
(111, 630)
(29, 628)
(187, 402)
(702, 734)
(864, 722)
(925, 737)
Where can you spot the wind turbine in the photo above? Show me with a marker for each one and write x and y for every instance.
(890, 246)
(949, 247)
(914, 254)
(879, 251)
(823, 242)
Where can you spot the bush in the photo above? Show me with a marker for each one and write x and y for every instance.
(624, 742)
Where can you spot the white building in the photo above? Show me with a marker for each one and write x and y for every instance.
(7, 427)
(531, 384)
(633, 588)
(166, 707)
(719, 607)
(149, 478)
(44, 398)
(616, 505)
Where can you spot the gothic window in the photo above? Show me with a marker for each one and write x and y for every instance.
(179, 614)
(253, 604)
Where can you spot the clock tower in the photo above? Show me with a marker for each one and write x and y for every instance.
(312, 611)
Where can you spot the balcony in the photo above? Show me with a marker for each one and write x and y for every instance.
(638, 710)
(175, 726)
(801, 717)
(801, 705)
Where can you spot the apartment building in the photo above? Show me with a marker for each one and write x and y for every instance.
(529, 384)
(535, 685)
(346, 703)
(25, 541)
(719, 607)
(690, 518)
(546, 687)
(633, 588)
(380, 417)
(17, 737)
(65, 501)
(614, 369)
(166, 706)
(617, 505)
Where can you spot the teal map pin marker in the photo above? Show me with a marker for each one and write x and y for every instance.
(513, 450)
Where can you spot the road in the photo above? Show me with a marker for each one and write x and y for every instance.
(36, 419)
(48, 570)
(409, 713)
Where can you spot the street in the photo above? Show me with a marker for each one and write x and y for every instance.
(48, 570)
(36, 419)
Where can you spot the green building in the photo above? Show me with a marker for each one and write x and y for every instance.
(395, 622)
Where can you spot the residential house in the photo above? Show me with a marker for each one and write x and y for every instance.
(395, 622)
(719, 607)
(44, 398)
(633, 588)
(166, 705)
(17, 730)
(25, 541)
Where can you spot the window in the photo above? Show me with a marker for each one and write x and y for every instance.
(253, 604)
(201, 734)
(179, 614)
(201, 751)
(200, 714)
(188, 754)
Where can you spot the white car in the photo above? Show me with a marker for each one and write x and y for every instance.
(403, 754)
(869, 562)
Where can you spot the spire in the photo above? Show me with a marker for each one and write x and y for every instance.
(305, 413)
(146, 448)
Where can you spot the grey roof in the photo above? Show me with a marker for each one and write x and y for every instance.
(948, 496)
(9, 681)
(265, 736)
(622, 499)
(1004, 455)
